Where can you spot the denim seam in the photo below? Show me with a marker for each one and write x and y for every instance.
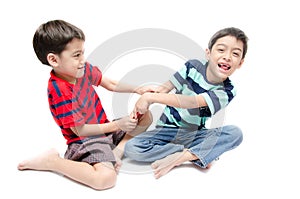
(200, 162)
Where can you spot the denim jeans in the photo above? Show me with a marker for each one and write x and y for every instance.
(206, 144)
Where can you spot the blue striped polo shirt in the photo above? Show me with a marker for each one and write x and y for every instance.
(191, 80)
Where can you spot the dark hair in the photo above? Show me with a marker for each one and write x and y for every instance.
(235, 32)
(52, 37)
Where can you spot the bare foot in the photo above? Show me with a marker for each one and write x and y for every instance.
(208, 166)
(41, 162)
(118, 164)
(163, 166)
(118, 153)
(118, 156)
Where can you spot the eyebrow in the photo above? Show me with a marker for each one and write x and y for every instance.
(77, 51)
(233, 48)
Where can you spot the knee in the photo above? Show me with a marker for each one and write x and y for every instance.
(130, 149)
(104, 180)
(133, 151)
(236, 134)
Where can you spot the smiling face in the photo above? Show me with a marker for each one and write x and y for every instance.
(224, 58)
(69, 64)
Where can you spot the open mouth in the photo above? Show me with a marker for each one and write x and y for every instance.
(225, 67)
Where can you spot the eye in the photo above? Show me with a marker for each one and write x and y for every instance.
(236, 54)
(77, 55)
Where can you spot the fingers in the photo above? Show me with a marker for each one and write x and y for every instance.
(133, 121)
(129, 124)
(138, 111)
(133, 115)
(136, 115)
(146, 89)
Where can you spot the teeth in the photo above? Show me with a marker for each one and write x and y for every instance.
(224, 66)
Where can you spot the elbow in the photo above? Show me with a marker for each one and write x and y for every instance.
(77, 130)
(111, 87)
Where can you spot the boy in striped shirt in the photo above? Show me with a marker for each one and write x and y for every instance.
(202, 89)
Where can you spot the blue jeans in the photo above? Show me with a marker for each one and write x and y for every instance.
(206, 144)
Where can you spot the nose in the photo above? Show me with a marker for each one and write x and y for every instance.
(227, 56)
(82, 60)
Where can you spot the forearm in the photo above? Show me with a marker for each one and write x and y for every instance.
(165, 88)
(175, 100)
(124, 88)
(116, 86)
(95, 129)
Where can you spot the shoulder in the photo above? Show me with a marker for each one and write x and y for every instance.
(88, 67)
(196, 64)
(58, 89)
(91, 68)
(93, 73)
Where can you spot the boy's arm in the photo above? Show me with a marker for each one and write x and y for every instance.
(116, 86)
(175, 100)
(165, 88)
(113, 85)
(126, 124)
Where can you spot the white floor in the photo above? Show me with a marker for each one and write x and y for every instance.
(265, 165)
(259, 167)
(224, 179)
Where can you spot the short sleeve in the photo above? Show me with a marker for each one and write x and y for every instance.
(218, 99)
(178, 79)
(94, 74)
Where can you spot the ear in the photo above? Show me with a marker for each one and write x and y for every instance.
(241, 63)
(207, 53)
(53, 60)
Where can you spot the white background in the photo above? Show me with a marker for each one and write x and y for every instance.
(265, 165)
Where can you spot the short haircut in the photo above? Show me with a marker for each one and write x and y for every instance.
(235, 32)
(53, 36)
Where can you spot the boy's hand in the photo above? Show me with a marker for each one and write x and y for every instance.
(144, 89)
(127, 123)
(136, 115)
(142, 105)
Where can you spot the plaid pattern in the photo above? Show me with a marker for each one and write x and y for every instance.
(95, 149)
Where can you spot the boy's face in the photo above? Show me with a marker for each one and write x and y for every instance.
(69, 65)
(224, 58)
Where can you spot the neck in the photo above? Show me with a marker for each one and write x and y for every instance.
(70, 80)
(212, 78)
